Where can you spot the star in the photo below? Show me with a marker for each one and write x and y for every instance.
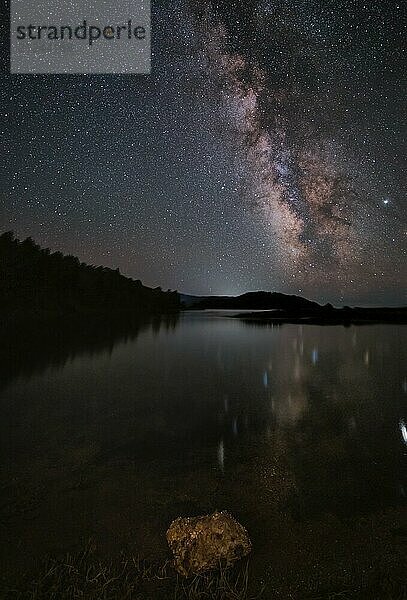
(270, 135)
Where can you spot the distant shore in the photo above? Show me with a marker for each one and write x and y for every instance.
(328, 316)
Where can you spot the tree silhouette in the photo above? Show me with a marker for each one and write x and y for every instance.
(34, 279)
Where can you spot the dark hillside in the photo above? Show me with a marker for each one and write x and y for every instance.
(253, 301)
(38, 280)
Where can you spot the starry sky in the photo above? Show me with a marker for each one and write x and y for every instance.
(266, 150)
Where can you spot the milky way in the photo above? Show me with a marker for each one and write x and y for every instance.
(265, 151)
(308, 192)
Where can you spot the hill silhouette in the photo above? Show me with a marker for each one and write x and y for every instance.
(250, 301)
(34, 279)
(276, 308)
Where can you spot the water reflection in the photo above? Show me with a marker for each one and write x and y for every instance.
(221, 456)
(28, 347)
(285, 426)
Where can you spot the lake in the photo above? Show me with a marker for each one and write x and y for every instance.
(299, 431)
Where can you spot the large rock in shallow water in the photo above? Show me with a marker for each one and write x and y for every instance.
(203, 543)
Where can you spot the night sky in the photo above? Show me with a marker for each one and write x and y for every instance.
(265, 151)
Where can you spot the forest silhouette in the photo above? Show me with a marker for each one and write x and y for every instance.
(34, 279)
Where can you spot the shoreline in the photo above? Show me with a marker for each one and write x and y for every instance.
(332, 316)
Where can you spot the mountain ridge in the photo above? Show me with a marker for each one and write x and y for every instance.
(256, 300)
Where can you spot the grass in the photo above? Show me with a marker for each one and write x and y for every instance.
(84, 576)
(228, 584)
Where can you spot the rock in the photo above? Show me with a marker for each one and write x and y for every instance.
(203, 543)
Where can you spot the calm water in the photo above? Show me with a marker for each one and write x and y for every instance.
(299, 431)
